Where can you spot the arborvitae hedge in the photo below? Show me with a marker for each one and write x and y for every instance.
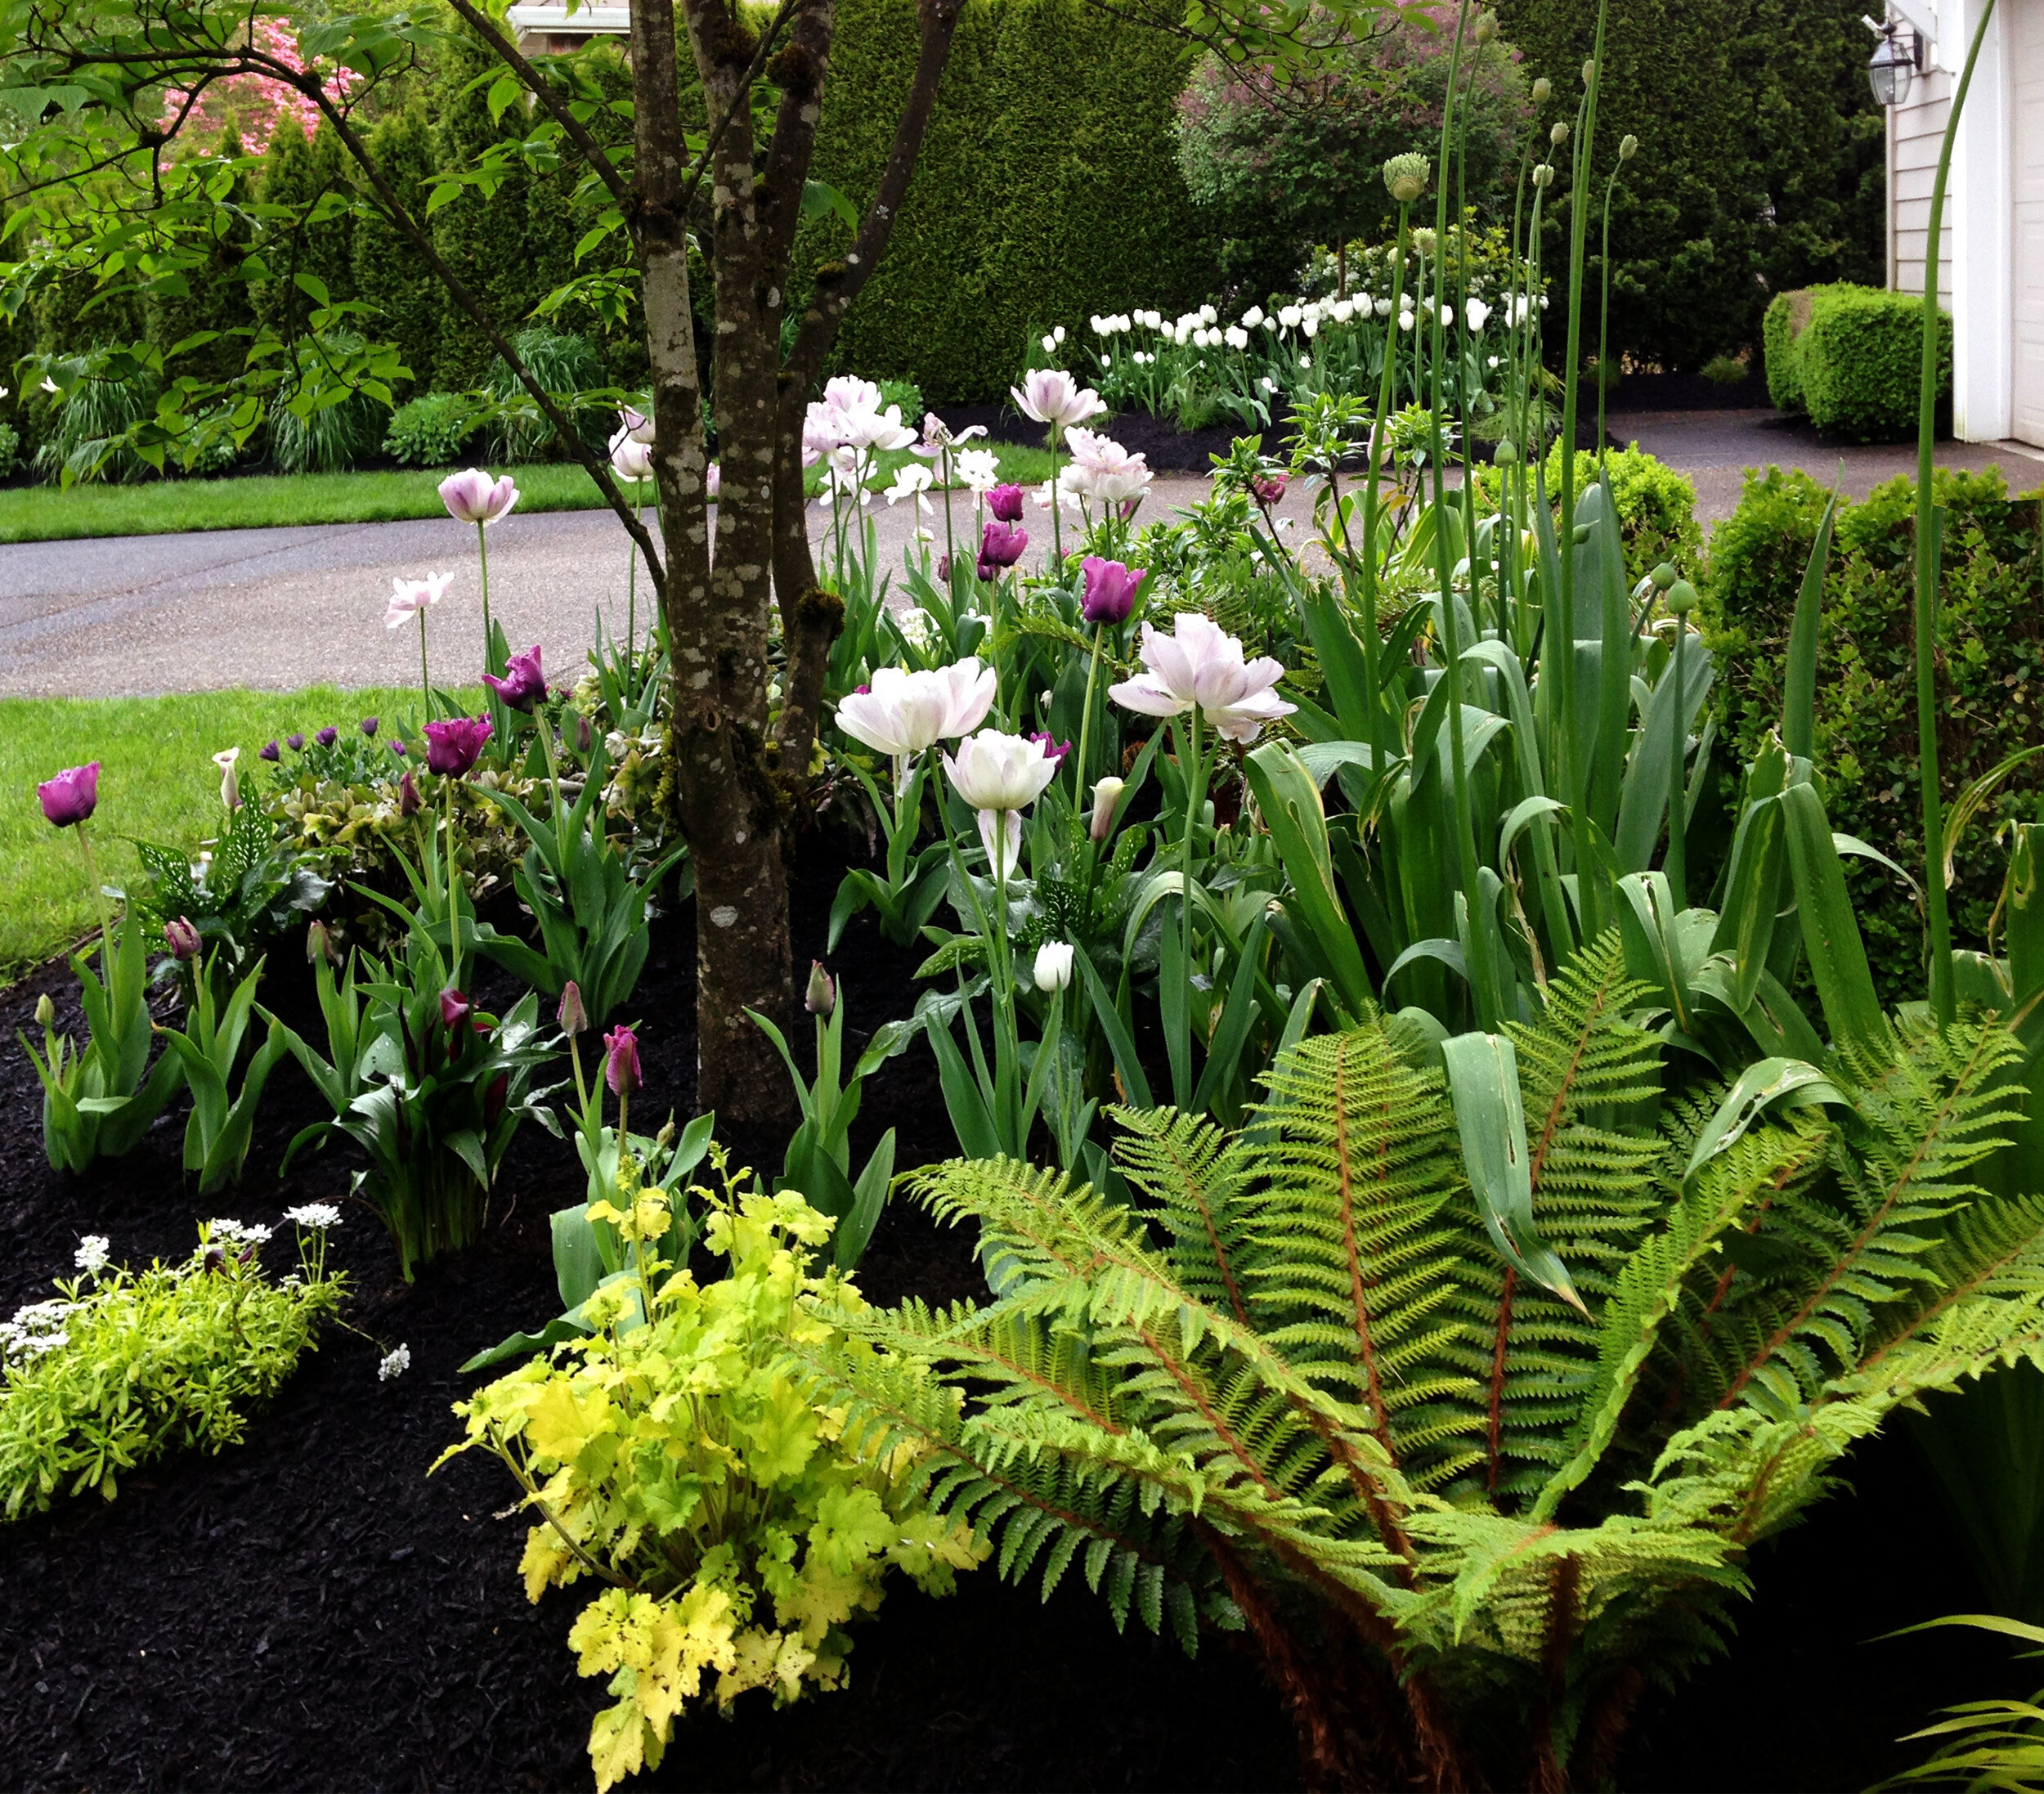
(217, 296)
(1048, 188)
(298, 173)
(389, 272)
(1760, 166)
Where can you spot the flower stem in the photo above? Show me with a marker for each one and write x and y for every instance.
(425, 683)
(99, 899)
(454, 912)
(489, 634)
(1086, 715)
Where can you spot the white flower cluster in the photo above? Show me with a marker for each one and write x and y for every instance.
(918, 628)
(1054, 341)
(37, 1329)
(92, 1253)
(222, 1232)
(847, 426)
(395, 1364)
(318, 1216)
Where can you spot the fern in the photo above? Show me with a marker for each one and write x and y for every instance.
(1292, 1387)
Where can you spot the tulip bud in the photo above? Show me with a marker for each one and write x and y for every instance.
(1053, 968)
(182, 937)
(620, 1069)
(1106, 794)
(584, 735)
(574, 1017)
(295, 742)
(1628, 147)
(820, 997)
(1663, 577)
(319, 945)
(408, 801)
(268, 751)
(1543, 90)
(1559, 135)
(45, 1010)
(370, 724)
(1682, 598)
(327, 736)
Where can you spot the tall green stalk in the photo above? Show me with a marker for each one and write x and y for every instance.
(1929, 531)
(1386, 393)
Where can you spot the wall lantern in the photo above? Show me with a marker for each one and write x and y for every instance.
(1894, 66)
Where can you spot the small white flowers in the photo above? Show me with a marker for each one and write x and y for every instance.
(395, 1364)
(318, 1216)
(37, 1329)
(1053, 968)
(918, 628)
(222, 1232)
(92, 1253)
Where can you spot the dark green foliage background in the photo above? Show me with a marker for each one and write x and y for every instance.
(1739, 105)
(1991, 676)
(1852, 357)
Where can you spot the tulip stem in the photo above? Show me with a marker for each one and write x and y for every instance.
(489, 635)
(1086, 715)
(99, 898)
(631, 580)
(1195, 792)
(1678, 808)
(454, 909)
(1057, 522)
(425, 683)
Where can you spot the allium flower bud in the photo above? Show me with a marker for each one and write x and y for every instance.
(1506, 453)
(1106, 794)
(1406, 176)
(1487, 27)
(820, 997)
(182, 937)
(574, 1017)
(1542, 90)
(1543, 177)
(1559, 135)
(1423, 239)
(1590, 70)
(1682, 598)
(1663, 577)
(1628, 147)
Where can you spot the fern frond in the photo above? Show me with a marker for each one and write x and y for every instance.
(1357, 1254)
(1183, 1163)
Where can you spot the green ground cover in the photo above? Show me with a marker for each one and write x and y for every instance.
(50, 514)
(157, 782)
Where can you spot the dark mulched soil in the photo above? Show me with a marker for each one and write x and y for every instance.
(308, 1610)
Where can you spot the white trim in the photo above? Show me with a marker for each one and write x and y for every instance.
(552, 15)
(1980, 201)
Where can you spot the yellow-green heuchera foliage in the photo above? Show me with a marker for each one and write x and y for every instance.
(125, 1366)
(740, 1528)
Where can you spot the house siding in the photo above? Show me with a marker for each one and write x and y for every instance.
(1916, 132)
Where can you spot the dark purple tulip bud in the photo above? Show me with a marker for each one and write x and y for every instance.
(620, 1067)
(327, 736)
(183, 938)
(820, 997)
(1269, 487)
(523, 686)
(397, 748)
(1001, 546)
(574, 1017)
(584, 735)
(1055, 750)
(296, 743)
(943, 568)
(1110, 590)
(319, 945)
(1005, 502)
(268, 750)
(370, 724)
(454, 746)
(408, 801)
(71, 796)
(454, 1010)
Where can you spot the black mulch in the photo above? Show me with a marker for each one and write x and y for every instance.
(309, 1610)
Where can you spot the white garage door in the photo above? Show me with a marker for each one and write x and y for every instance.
(2026, 62)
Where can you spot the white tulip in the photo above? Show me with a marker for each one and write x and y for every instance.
(1199, 665)
(995, 771)
(230, 785)
(1053, 968)
(902, 713)
(1252, 317)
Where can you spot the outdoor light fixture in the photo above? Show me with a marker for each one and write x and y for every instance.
(1893, 67)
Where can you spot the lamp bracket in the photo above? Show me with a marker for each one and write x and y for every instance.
(1921, 17)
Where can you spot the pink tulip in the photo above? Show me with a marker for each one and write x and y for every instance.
(1199, 665)
(1052, 397)
(71, 796)
(409, 596)
(620, 1067)
(472, 496)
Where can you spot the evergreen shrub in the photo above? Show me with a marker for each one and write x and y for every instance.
(1991, 676)
(1851, 357)
(1657, 504)
(432, 430)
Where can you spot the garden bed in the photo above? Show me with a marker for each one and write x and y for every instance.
(310, 1610)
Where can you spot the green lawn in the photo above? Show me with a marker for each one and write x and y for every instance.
(157, 782)
(49, 513)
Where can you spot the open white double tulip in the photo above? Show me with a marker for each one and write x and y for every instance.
(1201, 666)
(902, 713)
(1000, 775)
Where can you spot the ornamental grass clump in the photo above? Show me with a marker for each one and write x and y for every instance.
(123, 1367)
(740, 1527)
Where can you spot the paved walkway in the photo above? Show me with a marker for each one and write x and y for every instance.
(278, 609)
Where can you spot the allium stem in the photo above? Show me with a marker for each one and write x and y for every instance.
(1086, 717)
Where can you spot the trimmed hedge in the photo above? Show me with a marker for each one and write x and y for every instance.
(1991, 679)
(1852, 358)
(1761, 163)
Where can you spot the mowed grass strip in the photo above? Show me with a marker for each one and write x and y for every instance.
(51, 513)
(157, 782)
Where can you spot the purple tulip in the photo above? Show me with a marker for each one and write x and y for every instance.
(1001, 545)
(327, 736)
(1055, 750)
(1110, 590)
(370, 724)
(453, 1009)
(523, 686)
(620, 1069)
(584, 735)
(296, 743)
(454, 746)
(71, 796)
(1269, 487)
(410, 803)
(182, 937)
(574, 1017)
(268, 750)
(1005, 502)
(398, 749)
